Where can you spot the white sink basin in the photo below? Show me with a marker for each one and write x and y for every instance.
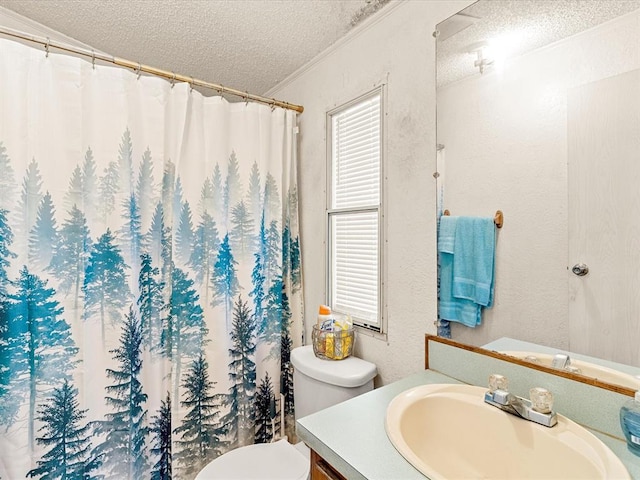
(448, 432)
(588, 369)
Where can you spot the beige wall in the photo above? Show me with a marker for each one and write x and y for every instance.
(395, 47)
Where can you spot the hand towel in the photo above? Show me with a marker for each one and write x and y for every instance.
(447, 233)
(473, 260)
(450, 308)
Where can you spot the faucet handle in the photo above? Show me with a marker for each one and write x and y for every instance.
(498, 382)
(541, 399)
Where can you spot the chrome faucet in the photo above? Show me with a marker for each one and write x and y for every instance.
(561, 361)
(538, 409)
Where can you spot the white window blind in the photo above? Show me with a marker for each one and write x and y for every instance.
(354, 210)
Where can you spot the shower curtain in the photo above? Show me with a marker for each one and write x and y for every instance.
(150, 278)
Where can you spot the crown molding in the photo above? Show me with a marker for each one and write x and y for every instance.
(347, 38)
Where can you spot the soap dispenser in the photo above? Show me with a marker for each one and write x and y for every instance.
(630, 423)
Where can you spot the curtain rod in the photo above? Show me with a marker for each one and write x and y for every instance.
(137, 67)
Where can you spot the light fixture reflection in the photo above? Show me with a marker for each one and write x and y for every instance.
(496, 50)
(483, 60)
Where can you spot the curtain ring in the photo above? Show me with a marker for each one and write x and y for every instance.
(93, 59)
(46, 47)
(191, 84)
(139, 70)
(273, 106)
(246, 99)
(173, 79)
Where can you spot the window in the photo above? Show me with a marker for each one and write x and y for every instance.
(354, 210)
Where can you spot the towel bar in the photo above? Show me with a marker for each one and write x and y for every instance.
(498, 218)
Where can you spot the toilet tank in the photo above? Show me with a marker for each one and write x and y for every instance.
(319, 383)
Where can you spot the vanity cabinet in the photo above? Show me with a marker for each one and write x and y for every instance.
(321, 470)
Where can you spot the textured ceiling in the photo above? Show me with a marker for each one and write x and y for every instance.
(526, 24)
(250, 45)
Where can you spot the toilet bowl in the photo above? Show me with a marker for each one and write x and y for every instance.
(317, 384)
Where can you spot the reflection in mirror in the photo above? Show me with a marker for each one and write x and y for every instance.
(538, 115)
(498, 348)
(600, 369)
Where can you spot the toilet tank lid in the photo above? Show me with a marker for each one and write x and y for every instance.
(350, 372)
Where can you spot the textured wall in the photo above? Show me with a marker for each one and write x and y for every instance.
(505, 140)
(10, 19)
(396, 48)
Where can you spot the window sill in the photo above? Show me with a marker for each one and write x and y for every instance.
(371, 333)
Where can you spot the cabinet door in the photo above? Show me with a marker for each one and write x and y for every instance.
(321, 470)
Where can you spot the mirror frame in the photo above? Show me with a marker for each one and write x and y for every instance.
(507, 358)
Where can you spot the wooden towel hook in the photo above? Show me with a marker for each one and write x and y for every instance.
(498, 218)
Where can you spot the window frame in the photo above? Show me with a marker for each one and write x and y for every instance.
(379, 328)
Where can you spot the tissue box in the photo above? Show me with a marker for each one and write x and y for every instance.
(333, 345)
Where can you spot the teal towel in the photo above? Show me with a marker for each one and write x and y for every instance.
(447, 233)
(454, 309)
(473, 260)
(450, 308)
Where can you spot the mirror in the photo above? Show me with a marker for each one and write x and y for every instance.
(538, 115)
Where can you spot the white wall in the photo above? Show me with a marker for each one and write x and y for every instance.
(395, 47)
(505, 140)
(10, 19)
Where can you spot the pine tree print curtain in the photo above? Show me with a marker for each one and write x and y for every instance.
(150, 287)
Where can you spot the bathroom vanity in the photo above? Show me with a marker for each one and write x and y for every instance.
(349, 440)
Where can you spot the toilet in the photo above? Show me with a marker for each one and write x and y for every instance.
(317, 384)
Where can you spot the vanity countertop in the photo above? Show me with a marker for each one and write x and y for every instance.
(352, 438)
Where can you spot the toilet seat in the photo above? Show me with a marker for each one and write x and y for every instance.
(262, 461)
